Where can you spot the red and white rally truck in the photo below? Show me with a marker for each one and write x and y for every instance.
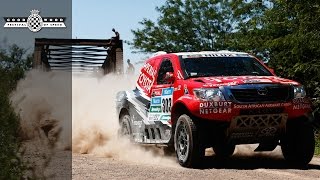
(190, 101)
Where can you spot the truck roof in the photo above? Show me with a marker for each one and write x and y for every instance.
(206, 53)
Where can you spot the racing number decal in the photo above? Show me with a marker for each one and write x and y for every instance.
(166, 105)
(161, 104)
(166, 100)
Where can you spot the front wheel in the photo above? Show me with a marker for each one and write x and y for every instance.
(298, 144)
(187, 142)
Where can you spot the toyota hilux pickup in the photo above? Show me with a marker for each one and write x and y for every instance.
(190, 101)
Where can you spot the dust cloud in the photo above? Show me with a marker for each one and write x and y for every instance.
(95, 122)
(47, 103)
(43, 102)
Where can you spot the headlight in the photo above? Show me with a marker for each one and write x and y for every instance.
(299, 92)
(212, 94)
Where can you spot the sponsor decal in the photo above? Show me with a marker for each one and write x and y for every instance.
(212, 79)
(156, 92)
(145, 82)
(215, 110)
(34, 22)
(300, 100)
(147, 77)
(231, 81)
(301, 103)
(218, 55)
(154, 117)
(155, 109)
(301, 106)
(214, 107)
(165, 117)
(220, 84)
(156, 100)
(212, 104)
(209, 55)
(252, 106)
(149, 69)
(161, 105)
(167, 91)
(257, 81)
(166, 105)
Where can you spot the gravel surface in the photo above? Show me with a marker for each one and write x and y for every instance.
(237, 167)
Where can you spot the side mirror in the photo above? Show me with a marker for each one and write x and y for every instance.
(169, 77)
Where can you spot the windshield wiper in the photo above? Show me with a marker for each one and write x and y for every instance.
(255, 73)
(198, 75)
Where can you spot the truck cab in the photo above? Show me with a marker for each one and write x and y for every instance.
(190, 101)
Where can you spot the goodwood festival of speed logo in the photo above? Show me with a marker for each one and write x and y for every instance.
(34, 22)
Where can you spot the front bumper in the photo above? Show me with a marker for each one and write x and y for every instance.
(256, 128)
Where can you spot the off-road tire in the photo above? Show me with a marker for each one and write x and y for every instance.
(187, 135)
(298, 144)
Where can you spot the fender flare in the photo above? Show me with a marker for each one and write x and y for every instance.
(180, 107)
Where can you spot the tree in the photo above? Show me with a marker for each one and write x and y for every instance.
(293, 34)
(13, 64)
(185, 25)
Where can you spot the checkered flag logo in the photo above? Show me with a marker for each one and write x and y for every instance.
(35, 21)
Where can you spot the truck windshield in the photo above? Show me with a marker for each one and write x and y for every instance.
(223, 66)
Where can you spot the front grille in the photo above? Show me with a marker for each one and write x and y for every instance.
(259, 121)
(251, 94)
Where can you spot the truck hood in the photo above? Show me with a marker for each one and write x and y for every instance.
(238, 80)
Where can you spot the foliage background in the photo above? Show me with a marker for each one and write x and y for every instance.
(284, 33)
(13, 63)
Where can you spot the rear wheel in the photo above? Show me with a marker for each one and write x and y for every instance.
(187, 142)
(125, 128)
(298, 143)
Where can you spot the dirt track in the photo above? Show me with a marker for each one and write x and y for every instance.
(255, 166)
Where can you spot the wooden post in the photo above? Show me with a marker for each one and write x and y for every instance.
(37, 56)
(119, 61)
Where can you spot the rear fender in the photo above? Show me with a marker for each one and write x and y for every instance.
(122, 105)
